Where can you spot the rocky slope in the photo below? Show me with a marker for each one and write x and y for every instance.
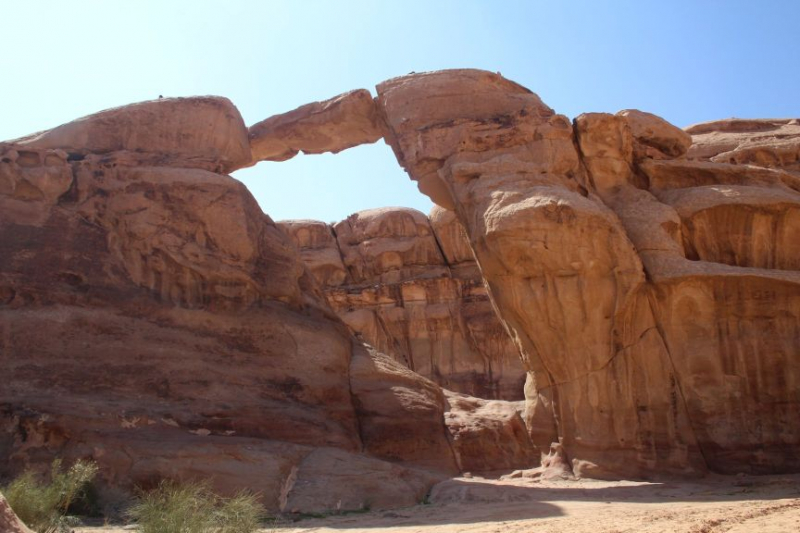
(410, 287)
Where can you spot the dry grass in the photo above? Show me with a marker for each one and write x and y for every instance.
(194, 508)
(43, 506)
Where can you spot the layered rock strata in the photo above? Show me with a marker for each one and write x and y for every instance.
(9, 523)
(409, 286)
(153, 319)
(645, 356)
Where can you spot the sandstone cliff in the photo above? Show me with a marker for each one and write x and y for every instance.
(154, 320)
(647, 355)
(653, 294)
(9, 523)
(410, 287)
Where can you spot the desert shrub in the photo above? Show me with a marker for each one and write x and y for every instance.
(194, 508)
(43, 506)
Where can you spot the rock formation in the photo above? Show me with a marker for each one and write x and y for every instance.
(644, 357)
(410, 287)
(153, 319)
(9, 523)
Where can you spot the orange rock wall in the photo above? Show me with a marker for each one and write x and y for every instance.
(409, 286)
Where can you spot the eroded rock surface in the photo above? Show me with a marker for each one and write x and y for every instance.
(645, 358)
(153, 319)
(199, 132)
(771, 143)
(342, 122)
(410, 287)
(9, 523)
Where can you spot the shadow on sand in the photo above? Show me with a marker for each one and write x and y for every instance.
(486, 501)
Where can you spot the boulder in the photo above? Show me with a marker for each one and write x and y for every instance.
(488, 435)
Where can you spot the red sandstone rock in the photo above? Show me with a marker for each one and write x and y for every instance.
(9, 523)
(147, 311)
(400, 412)
(488, 435)
(402, 297)
(771, 143)
(564, 239)
(654, 132)
(342, 122)
(318, 250)
(155, 320)
(389, 244)
(200, 132)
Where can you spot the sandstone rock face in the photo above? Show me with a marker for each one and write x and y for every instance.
(771, 143)
(488, 435)
(383, 392)
(646, 354)
(9, 523)
(410, 287)
(154, 320)
(198, 132)
(342, 122)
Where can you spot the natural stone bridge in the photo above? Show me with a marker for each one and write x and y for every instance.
(651, 286)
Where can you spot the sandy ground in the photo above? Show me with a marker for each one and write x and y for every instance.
(731, 504)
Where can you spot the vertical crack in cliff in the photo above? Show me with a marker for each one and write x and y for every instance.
(339, 251)
(678, 386)
(441, 249)
(354, 403)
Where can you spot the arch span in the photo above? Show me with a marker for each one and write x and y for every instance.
(641, 360)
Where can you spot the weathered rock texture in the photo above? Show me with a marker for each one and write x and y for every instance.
(771, 143)
(647, 355)
(342, 122)
(9, 523)
(153, 319)
(410, 287)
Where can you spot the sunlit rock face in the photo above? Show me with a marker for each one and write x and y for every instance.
(9, 523)
(409, 286)
(660, 330)
(153, 319)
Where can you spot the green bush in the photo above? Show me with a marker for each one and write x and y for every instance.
(43, 506)
(194, 508)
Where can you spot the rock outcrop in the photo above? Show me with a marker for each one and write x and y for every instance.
(198, 132)
(9, 523)
(645, 358)
(771, 143)
(410, 287)
(154, 320)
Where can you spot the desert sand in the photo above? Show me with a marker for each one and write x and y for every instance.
(769, 504)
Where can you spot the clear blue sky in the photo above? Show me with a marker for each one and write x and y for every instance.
(686, 60)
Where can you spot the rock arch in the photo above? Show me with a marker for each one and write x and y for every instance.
(581, 230)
